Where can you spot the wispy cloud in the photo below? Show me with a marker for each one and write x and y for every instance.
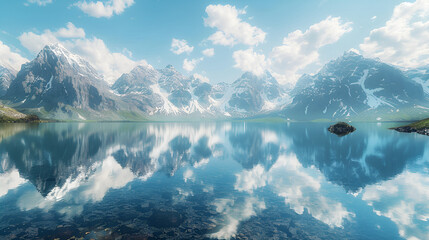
(38, 2)
(104, 9)
(189, 65)
(179, 46)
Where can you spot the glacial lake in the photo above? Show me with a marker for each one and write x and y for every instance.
(237, 180)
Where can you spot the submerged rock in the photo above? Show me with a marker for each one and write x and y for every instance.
(165, 219)
(341, 129)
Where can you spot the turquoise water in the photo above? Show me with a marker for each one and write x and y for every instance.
(212, 180)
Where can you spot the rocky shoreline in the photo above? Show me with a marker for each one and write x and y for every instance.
(408, 129)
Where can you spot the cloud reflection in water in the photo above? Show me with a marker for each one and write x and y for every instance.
(71, 165)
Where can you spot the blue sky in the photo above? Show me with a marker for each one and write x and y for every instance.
(142, 31)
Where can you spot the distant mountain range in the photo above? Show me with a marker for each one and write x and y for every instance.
(60, 85)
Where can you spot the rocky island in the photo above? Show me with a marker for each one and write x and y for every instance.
(420, 127)
(341, 129)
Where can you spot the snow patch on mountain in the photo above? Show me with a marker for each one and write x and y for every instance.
(167, 107)
(372, 101)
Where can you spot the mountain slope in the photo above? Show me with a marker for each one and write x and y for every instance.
(61, 84)
(250, 95)
(421, 77)
(6, 77)
(353, 85)
(166, 92)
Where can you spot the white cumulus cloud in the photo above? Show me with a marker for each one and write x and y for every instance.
(180, 46)
(104, 8)
(250, 61)
(300, 49)
(9, 181)
(35, 42)
(404, 39)
(209, 52)
(404, 200)
(299, 188)
(188, 175)
(10, 59)
(71, 31)
(110, 64)
(234, 213)
(231, 29)
(189, 65)
(202, 78)
(249, 180)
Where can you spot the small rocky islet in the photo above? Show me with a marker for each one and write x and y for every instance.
(341, 129)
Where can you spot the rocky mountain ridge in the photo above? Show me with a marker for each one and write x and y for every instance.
(58, 84)
(351, 86)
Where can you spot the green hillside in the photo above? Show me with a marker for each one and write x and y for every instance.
(10, 115)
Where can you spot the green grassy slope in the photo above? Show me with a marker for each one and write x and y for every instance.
(10, 115)
(420, 124)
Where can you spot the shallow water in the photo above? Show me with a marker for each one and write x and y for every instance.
(212, 180)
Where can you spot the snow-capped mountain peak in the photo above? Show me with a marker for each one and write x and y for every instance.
(352, 84)
(57, 54)
(6, 76)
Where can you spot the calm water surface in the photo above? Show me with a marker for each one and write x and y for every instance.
(212, 180)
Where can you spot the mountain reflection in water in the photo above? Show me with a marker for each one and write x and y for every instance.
(212, 180)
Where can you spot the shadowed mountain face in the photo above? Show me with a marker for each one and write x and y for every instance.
(6, 77)
(60, 81)
(48, 157)
(352, 85)
(354, 161)
(421, 77)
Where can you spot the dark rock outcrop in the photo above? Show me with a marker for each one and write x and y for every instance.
(408, 129)
(341, 129)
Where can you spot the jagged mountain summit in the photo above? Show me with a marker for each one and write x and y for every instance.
(161, 92)
(62, 85)
(168, 92)
(253, 94)
(58, 84)
(6, 77)
(353, 86)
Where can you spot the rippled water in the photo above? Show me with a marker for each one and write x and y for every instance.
(212, 180)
